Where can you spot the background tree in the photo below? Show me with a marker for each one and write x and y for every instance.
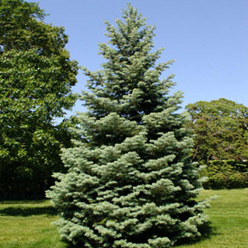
(221, 128)
(36, 76)
(130, 183)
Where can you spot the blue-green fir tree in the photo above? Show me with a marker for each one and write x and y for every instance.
(130, 183)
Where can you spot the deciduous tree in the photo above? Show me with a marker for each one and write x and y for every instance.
(36, 76)
(221, 130)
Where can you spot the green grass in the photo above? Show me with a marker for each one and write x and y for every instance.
(229, 220)
(27, 224)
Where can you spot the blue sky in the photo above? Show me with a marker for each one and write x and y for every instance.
(207, 39)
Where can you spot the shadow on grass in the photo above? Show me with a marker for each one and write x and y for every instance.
(11, 211)
(74, 246)
(10, 202)
(207, 231)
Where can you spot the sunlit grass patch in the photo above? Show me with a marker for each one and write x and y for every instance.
(229, 219)
(27, 224)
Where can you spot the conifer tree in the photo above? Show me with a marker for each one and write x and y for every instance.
(130, 183)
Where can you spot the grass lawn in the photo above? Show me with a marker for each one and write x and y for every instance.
(229, 220)
(26, 224)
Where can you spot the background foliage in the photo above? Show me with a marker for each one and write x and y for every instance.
(221, 130)
(36, 76)
(221, 141)
(225, 174)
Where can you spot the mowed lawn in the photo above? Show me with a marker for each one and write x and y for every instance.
(27, 224)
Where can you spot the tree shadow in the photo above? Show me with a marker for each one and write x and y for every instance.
(21, 211)
(74, 246)
(70, 245)
(207, 231)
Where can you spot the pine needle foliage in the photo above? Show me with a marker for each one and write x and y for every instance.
(130, 183)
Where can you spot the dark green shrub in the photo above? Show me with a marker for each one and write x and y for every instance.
(225, 174)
